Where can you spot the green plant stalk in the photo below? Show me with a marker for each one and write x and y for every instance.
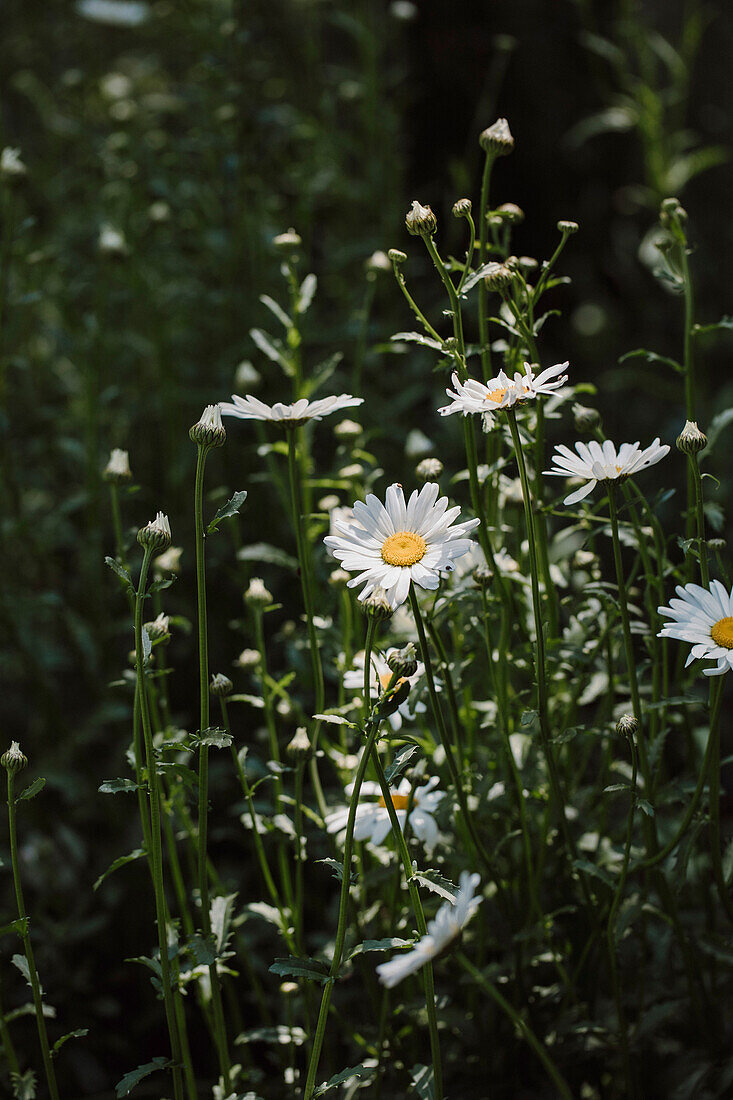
(716, 695)
(363, 333)
(483, 294)
(688, 363)
(521, 1025)
(454, 305)
(27, 946)
(700, 520)
(203, 790)
(156, 850)
(413, 305)
(8, 1049)
(306, 585)
(540, 669)
(372, 733)
(469, 252)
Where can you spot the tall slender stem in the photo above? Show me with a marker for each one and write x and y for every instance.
(203, 792)
(483, 294)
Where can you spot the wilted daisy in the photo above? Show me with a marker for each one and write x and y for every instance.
(381, 674)
(372, 818)
(703, 617)
(290, 416)
(449, 922)
(393, 544)
(596, 462)
(502, 391)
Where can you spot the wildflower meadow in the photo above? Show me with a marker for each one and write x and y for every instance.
(366, 587)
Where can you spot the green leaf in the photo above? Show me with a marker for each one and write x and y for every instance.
(417, 338)
(119, 786)
(476, 276)
(121, 572)
(272, 349)
(652, 357)
(277, 310)
(334, 720)
(716, 426)
(437, 884)
(588, 868)
(360, 1072)
(24, 1085)
(726, 323)
(338, 870)
(400, 762)
(135, 1076)
(21, 962)
(294, 967)
(202, 950)
(231, 508)
(280, 1035)
(646, 807)
(387, 944)
(221, 916)
(214, 738)
(422, 1082)
(32, 789)
(162, 583)
(307, 291)
(263, 553)
(121, 861)
(80, 1031)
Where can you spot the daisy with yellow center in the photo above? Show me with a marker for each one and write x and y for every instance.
(704, 618)
(502, 391)
(372, 818)
(594, 462)
(381, 675)
(397, 543)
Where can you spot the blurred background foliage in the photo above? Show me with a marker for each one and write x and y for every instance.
(163, 154)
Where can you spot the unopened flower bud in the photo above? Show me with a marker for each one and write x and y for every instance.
(299, 747)
(248, 659)
(496, 140)
(377, 606)
(403, 661)
(498, 277)
(221, 685)
(287, 242)
(257, 595)
(378, 261)
(156, 535)
(328, 503)
(289, 989)
(421, 221)
(338, 578)
(14, 760)
(159, 628)
(348, 429)
(510, 212)
(209, 431)
(585, 418)
(527, 263)
(567, 228)
(429, 469)
(170, 561)
(396, 256)
(462, 208)
(482, 575)
(717, 544)
(117, 471)
(627, 725)
(691, 440)
(670, 211)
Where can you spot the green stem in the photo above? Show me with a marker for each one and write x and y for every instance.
(720, 883)
(483, 294)
(700, 518)
(27, 946)
(203, 791)
(8, 1049)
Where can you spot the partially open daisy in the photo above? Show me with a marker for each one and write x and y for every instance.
(596, 462)
(449, 922)
(393, 544)
(380, 676)
(290, 416)
(502, 391)
(372, 818)
(703, 617)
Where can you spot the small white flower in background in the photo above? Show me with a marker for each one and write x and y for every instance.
(248, 659)
(257, 594)
(290, 416)
(170, 561)
(339, 515)
(247, 375)
(118, 466)
(11, 166)
(393, 544)
(115, 13)
(111, 241)
(703, 617)
(502, 391)
(449, 922)
(417, 445)
(372, 817)
(596, 462)
(381, 674)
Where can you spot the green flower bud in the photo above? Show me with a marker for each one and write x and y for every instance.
(221, 685)
(377, 606)
(287, 242)
(257, 595)
(496, 140)
(498, 277)
(156, 535)
(627, 725)
(14, 760)
(403, 661)
(567, 228)
(429, 469)
(209, 431)
(510, 212)
(421, 221)
(396, 256)
(691, 440)
(462, 208)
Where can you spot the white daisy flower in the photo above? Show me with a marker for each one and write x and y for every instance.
(502, 391)
(596, 462)
(393, 544)
(449, 922)
(290, 416)
(703, 617)
(381, 674)
(372, 818)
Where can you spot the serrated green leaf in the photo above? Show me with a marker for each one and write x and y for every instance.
(21, 962)
(121, 861)
(437, 884)
(80, 1031)
(19, 927)
(387, 944)
(360, 1072)
(294, 967)
(24, 1085)
(338, 870)
(121, 572)
(214, 738)
(279, 1035)
(32, 789)
(422, 1081)
(118, 786)
(135, 1076)
(202, 950)
(400, 762)
(221, 915)
(231, 508)
(272, 349)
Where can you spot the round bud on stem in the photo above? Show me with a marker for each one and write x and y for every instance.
(156, 535)
(396, 256)
(717, 544)
(482, 575)
(377, 606)
(421, 221)
(585, 418)
(627, 725)
(672, 211)
(378, 261)
(221, 685)
(248, 659)
(299, 748)
(462, 208)
(348, 429)
(14, 760)
(496, 140)
(287, 243)
(567, 228)
(117, 471)
(429, 469)
(209, 431)
(159, 628)
(257, 595)
(403, 661)
(498, 277)
(691, 440)
(510, 212)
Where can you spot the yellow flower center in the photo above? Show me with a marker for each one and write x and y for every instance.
(404, 548)
(399, 800)
(722, 632)
(495, 395)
